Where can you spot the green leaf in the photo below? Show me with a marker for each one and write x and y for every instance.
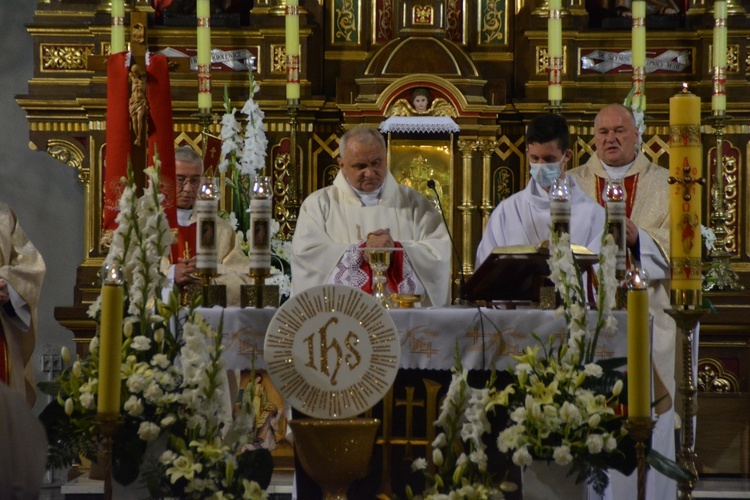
(668, 467)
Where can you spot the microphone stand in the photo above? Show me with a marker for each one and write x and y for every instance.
(462, 280)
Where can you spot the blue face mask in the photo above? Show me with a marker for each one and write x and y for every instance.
(545, 173)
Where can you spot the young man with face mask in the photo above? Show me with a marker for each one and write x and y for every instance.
(523, 219)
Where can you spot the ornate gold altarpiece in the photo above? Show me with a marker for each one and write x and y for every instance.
(486, 57)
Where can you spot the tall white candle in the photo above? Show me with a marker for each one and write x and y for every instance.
(117, 33)
(292, 49)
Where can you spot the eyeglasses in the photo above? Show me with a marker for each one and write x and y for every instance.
(193, 181)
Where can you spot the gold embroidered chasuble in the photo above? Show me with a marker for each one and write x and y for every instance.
(22, 266)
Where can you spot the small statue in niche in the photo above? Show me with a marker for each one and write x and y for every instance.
(421, 103)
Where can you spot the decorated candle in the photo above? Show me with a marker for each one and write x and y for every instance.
(685, 170)
(206, 219)
(261, 205)
(639, 346)
(554, 51)
(719, 97)
(203, 36)
(117, 34)
(292, 49)
(638, 50)
(110, 339)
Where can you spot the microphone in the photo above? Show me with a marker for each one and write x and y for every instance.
(462, 281)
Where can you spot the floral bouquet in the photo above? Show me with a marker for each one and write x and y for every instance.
(177, 432)
(563, 406)
(243, 158)
(458, 451)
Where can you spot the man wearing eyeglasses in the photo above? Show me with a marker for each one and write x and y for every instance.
(233, 265)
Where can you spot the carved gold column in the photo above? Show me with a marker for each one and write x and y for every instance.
(487, 147)
(467, 205)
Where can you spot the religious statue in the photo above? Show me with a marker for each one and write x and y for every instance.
(138, 104)
(421, 103)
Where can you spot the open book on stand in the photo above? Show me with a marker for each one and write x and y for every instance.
(517, 273)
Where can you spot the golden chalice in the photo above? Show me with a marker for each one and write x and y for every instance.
(380, 261)
(334, 453)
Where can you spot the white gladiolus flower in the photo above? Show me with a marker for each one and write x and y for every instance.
(148, 431)
(562, 456)
(522, 457)
(419, 464)
(437, 457)
(595, 443)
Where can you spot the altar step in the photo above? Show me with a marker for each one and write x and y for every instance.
(281, 489)
(715, 488)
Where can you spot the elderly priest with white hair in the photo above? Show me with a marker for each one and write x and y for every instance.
(366, 207)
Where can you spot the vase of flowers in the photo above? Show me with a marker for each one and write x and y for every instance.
(177, 436)
(243, 160)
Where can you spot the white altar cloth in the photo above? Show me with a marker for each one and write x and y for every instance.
(428, 335)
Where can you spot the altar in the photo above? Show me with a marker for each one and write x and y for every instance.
(485, 338)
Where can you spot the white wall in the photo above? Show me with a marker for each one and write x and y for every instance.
(46, 194)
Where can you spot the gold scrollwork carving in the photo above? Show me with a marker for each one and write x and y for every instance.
(65, 57)
(712, 377)
(281, 194)
(730, 203)
(278, 59)
(733, 59)
(345, 21)
(385, 18)
(453, 12)
(503, 184)
(492, 22)
(66, 152)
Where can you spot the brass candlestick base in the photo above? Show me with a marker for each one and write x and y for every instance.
(720, 275)
(687, 320)
(259, 295)
(334, 453)
(640, 429)
(107, 423)
(210, 295)
(556, 107)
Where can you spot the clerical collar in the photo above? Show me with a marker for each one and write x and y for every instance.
(183, 216)
(368, 199)
(617, 172)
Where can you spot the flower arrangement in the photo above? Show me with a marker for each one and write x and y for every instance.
(177, 432)
(458, 451)
(243, 158)
(562, 406)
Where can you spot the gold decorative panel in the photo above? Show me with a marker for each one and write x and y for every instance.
(414, 162)
(493, 26)
(68, 57)
(712, 377)
(345, 26)
(542, 60)
(278, 59)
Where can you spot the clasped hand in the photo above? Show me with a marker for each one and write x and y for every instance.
(184, 271)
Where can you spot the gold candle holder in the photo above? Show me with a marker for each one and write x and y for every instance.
(640, 430)
(687, 320)
(107, 424)
(720, 275)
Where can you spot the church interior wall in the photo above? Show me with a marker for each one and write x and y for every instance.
(45, 193)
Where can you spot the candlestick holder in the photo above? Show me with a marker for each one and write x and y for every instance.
(687, 321)
(640, 429)
(107, 424)
(259, 294)
(292, 201)
(720, 275)
(556, 107)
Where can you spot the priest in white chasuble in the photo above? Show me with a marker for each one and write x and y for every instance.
(366, 207)
(21, 273)
(618, 155)
(524, 218)
(233, 264)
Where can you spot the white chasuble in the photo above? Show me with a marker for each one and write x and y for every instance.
(333, 218)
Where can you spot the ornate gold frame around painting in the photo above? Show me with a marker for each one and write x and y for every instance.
(415, 161)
